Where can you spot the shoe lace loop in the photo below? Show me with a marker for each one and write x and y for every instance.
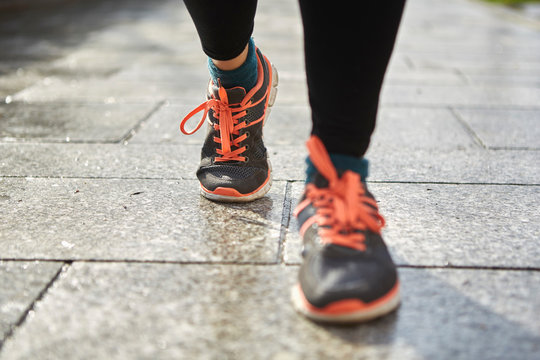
(228, 123)
(343, 208)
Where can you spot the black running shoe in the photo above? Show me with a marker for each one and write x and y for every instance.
(234, 163)
(347, 274)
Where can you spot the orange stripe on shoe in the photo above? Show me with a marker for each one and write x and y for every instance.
(348, 306)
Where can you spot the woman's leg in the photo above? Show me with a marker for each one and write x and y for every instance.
(347, 274)
(234, 163)
(224, 27)
(346, 53)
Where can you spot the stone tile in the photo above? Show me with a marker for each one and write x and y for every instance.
(409, 128)
(21, 283)
(423, 95)
(286, 125)
(103, 91)
(418, 128)
(99, 160)
(462, 225)
(399, 76)
(155, 220)
(415, 44)
(166, 72)
(504, 128)
(388, 164)
(503, 80)
(107, 91)
(233, 310)
(454, 166)
(513, 58)
(74, 122)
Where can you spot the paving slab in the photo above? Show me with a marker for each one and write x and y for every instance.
(102, 91)
(471, 96)
(21, 283)
(409, 128)
(286, 125)
(504, 129)
(509, 79)
(148, 161)
(72, 122)
(143, 220)
(451, 225)
(399, 76)
(241, 312)
(454, 165)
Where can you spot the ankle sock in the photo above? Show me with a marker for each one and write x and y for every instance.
(245, 76)
(341, 162)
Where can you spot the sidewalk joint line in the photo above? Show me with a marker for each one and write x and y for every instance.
(68, 263)
(60, 177)
(471, 267)
(456, 267)
(138, 261)
(140, 123)
(20, 322)
(285, 221)
(468, 129)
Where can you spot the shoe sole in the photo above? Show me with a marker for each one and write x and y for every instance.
(222, 194)
(346, 311)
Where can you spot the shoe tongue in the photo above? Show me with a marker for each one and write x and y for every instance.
(321, 182)
(235, 95)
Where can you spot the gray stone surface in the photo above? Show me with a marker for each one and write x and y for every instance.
(472, 96)
(99, 161)
(406, 128)
(411, 129)
(70, 122)
(286, 125)
(401, 76)
(21, 283)
(103, 91)
(241, 312)
(134, 220)
(504, 129)
(451, 225)
(454, 166)
(155, 271)
(388, 163)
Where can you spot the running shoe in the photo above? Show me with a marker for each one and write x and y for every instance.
(347, 274)
(234, 162)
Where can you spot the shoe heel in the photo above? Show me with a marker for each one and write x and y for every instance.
(273, 90)
(273, 93)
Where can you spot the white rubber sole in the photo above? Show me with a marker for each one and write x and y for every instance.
(348, 318)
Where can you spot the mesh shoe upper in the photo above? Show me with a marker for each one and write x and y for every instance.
(233, 154)
(344, 254)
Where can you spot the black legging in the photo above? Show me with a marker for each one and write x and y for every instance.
(347, 48)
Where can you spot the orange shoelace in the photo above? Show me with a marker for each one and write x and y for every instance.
(228, 124)
(343, 208)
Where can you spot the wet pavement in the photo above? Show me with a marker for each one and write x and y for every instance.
(108, 252)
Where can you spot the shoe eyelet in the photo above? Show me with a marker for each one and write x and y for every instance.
(246, 146)
(247, 134)
(247, 159)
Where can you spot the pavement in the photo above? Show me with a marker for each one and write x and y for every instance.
(108, 252)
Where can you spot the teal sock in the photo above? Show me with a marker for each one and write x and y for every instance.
(341, 162)
(245, 76)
